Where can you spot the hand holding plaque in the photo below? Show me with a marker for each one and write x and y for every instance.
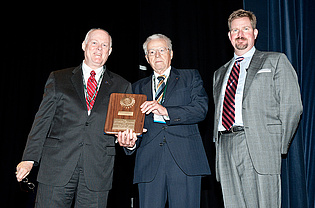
(124, 113)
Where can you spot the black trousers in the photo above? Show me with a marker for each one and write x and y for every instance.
(75, 190)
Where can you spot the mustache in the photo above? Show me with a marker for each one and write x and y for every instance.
(241, 38)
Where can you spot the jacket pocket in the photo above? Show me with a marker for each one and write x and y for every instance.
(274, 128)
(111, 151)
(51, 142)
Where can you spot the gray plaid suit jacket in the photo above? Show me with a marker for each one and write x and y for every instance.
(271, 108)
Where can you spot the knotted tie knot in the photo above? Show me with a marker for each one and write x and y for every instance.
(239, 59)
(160, 78)
(93, 73)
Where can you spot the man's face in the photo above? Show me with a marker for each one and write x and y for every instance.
(96, 49)
(242, 35)
(158, 55)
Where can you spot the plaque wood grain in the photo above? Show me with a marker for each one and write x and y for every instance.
(124, 113)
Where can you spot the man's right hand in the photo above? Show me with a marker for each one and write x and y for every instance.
(23, 169)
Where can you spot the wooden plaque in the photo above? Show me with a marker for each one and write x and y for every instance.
(124, 113)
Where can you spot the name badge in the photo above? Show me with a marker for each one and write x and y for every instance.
(159, 119)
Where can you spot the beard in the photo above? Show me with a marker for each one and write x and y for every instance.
(241, 46)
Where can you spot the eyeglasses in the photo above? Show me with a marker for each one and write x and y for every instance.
(27, 186)
(161, 50)
(244, 29)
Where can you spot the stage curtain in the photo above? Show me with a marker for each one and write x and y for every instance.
(288, 27)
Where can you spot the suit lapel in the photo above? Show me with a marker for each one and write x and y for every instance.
(147, 88)
(219, 84)
(77, 82)
(222, 73)
(254, 67)
(171, 83)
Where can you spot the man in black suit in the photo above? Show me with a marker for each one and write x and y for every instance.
(170, 157)
(67, 139)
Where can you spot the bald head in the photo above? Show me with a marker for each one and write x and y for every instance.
(96, 47)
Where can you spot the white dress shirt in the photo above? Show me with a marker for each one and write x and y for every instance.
(240, 88)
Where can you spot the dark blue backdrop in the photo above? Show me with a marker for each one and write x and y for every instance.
(288, 27)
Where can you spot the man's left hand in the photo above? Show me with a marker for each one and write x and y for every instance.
(153, 107)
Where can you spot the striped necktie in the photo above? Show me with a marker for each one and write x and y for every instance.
(160, 89)
(228, 114)
(91, 90)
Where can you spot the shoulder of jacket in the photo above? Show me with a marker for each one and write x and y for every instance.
(116, 76)
(270, 54)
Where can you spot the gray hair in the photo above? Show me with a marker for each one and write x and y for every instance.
(157, 36)
(93, 29)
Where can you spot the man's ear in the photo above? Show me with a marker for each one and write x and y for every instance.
(110, 51)
(255, 33)
(83, 45)
(146, 57)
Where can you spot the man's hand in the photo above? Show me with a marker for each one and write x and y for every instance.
(23, 169)
(127, 138)
(153, 107)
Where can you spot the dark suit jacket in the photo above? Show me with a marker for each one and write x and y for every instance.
(271, 108)
(187, 104)
(62, 130)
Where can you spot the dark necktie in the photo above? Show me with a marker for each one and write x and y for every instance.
(160, 89)
(91, 91)
(228, 114)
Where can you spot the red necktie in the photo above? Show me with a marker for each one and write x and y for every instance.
(228, 114)
(91, 91)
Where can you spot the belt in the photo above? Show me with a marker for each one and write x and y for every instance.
(233, 130)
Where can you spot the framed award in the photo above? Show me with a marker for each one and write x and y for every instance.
(124, 113)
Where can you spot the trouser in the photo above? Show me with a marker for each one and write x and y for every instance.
(170, 184)
(241, 185)
(62, 196)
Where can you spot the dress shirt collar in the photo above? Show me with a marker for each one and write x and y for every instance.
(166, 73)
(86, 69)
(248, 54)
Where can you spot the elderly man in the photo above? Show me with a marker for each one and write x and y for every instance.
(170, 158)
(257, 110)
(67, 139)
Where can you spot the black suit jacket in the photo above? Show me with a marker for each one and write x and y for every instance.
(62, 130)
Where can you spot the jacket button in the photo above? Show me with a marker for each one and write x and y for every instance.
(86, 123)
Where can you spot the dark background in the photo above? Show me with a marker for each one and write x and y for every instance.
(38, 41)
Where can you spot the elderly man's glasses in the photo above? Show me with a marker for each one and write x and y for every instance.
(161, 50)
(27, 186)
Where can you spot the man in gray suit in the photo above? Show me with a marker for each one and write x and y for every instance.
(67, 137)
(257, 110)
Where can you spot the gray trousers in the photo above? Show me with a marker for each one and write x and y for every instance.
(241, 185)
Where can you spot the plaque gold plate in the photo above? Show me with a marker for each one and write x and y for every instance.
(124, 113)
